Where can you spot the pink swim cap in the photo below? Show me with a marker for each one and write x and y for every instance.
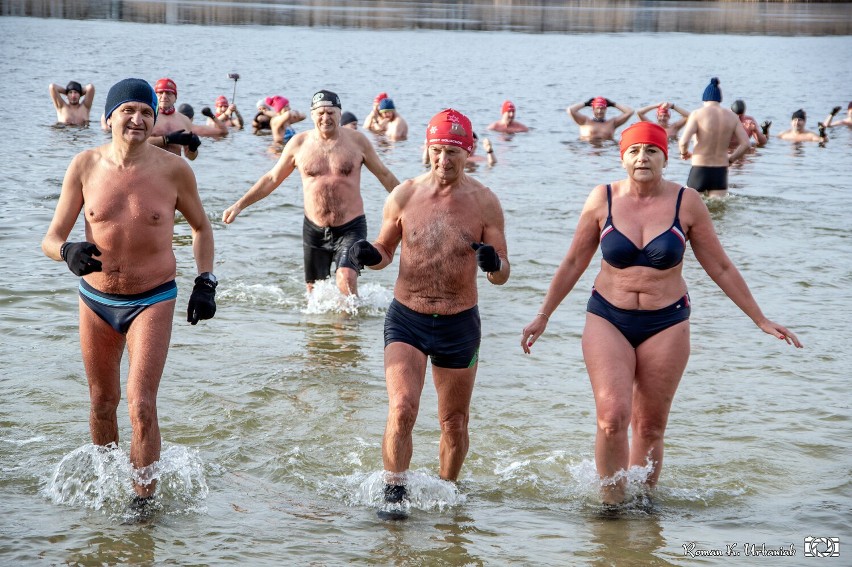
(222, 100)
(508, 106)
(598, 101)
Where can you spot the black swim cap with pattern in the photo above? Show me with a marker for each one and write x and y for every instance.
(325, 98)
(74, 86)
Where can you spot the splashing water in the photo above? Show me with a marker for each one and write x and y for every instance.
(99, 478)
(425, 492)
(372, 299)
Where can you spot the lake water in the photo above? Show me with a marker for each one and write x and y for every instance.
(272, 413)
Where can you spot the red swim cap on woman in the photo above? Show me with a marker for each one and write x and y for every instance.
(645, 133)
(508, 106)
(451, 128)
(222, 100)
(165, 86)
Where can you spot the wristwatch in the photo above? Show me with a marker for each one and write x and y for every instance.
(209, 277)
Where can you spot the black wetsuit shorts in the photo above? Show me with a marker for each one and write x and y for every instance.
(706, 178)
(452, 341)
(326, 245)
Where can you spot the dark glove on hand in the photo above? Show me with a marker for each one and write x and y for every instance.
(835, 110)
(364, 254)
(179, 137)
(609, 103)
(78, 256)
(202, 302)
(207, 112)
(194, 142)
(821, 129)
(765, 126)
(486, 257)
(589, 102)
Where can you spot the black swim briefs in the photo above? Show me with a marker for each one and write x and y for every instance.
(706, 178)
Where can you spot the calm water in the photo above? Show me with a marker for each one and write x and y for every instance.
(272, 413)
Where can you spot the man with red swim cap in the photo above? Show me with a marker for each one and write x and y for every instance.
(448, 224)
(329, 159)
(664, 117)
(173, 131)
(226, 113)
(507, 123)
(598, 127)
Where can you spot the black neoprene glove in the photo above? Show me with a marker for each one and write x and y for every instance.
(202, 302)
(835, 110)
(364, 254)
(194, 142)
(179, 137)
(486, 257)
(609, 103)
(207, 112)
(589, 102)
(765, 126)
(78, 256)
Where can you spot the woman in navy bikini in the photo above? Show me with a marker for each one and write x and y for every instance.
(636, 338)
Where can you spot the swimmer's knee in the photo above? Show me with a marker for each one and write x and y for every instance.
(142, 411)
(455, 423)
(614, 422)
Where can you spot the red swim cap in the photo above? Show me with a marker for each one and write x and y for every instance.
(645, 133)
(508, 106)
(380, 97)
(663, 110)
(451, 128)
(165, 86)
(222, 100)
(598, 101)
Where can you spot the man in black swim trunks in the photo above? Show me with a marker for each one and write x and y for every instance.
(448, 223)
(329, 159)
(713, 127)
(130, 191)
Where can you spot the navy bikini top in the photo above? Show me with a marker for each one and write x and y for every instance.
(663, 252)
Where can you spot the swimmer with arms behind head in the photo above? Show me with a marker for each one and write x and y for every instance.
(598, 126)
(75, 110)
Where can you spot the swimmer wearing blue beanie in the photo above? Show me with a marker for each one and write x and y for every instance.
(712, 91)
(130, 90)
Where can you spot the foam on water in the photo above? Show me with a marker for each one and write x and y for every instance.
(99, 478)
(372, 299)
(425, 491)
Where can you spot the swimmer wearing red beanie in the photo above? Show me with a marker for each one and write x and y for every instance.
(507, 123)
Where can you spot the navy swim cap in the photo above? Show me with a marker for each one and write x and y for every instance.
(712, 91)
(325, 98)
(130, 90)
(74, 86)
(386, 104)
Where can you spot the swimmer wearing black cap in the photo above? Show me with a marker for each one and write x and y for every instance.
(75, 110)
(756, 134)
(798, 132)
(329, 159)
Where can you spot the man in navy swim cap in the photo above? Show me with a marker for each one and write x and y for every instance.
(130, 191)
(75, 110)
(329, 158)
